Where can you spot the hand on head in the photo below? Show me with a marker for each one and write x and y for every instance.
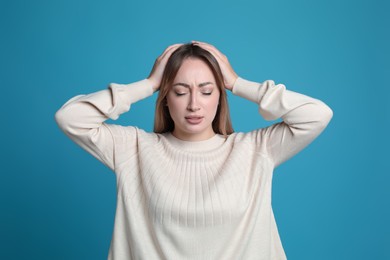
(155, 75)
(228, 73)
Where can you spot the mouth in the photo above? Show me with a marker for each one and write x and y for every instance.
(194, 120)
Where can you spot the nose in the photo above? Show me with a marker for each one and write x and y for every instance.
(193, 104)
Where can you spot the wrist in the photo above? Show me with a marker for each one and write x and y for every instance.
(230, 85)
(153, 84)
(233, 82)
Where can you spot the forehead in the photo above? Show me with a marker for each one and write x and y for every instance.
(193, 69)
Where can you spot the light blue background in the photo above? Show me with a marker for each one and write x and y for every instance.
(331, 201)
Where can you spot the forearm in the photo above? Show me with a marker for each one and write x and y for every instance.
(85, 112)
(275, 101)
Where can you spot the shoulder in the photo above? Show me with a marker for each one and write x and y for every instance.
(252, 140)
(243, 140)
(248, 137)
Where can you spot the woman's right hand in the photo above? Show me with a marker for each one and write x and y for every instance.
(155, 75)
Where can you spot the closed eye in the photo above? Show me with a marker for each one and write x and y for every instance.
(207, 93)
(179, 94)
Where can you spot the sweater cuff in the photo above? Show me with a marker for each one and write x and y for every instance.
(123, 95)
(133, 92)
(247, 89)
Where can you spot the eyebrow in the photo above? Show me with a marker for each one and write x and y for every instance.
(188, 86)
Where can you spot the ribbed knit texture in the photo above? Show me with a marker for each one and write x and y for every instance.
(194, 200)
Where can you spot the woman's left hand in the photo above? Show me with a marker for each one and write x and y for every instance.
(228, 73)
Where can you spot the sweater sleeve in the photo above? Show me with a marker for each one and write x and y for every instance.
(304, 118)
(82, 117)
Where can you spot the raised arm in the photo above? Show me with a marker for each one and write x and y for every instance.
(82, 117)
(304, 118)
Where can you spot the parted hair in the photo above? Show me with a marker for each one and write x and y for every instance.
(163, 121)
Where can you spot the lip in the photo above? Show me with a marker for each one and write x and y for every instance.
(194, 120)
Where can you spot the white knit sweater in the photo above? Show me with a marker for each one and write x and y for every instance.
(194, 200)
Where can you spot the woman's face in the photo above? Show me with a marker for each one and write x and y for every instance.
(193, 101)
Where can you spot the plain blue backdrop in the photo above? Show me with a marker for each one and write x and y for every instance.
(331, 201)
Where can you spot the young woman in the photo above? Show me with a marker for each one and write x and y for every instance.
(194, 189)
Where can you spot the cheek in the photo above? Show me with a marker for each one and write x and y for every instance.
(174, 105)
(213, 104)
(170, 103)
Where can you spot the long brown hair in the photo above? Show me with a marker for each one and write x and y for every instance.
(163, 121)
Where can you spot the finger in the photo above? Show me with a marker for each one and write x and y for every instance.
(211, 49)
(172, 46)
(159, 63)
(170, 49)
(207, 45)
(200, 42)
(168, 52)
